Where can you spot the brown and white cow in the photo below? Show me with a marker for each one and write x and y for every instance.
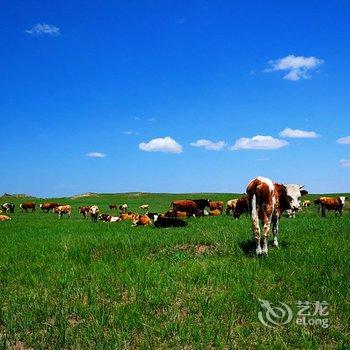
(144, 207)
(230, 206)
(142, 220)
(267, 202)
(129, 216)
(8, 207)
(242, 207)
(47, 207)
(63, 209)
(94, 211)
(330, 203)
(27, 205)
(108, 218)
(185, 205)
(85, 210)
(215, 212)
(4, 218)
(123, 208)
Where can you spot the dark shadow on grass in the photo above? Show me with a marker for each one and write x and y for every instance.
(248, 247)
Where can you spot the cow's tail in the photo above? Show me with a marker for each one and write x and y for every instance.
(253, 208)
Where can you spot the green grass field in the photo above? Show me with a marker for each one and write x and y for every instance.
(72, 284)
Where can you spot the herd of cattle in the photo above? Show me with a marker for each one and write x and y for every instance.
(265, 201)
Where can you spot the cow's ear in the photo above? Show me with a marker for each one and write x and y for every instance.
(301, 187)
(304, 192)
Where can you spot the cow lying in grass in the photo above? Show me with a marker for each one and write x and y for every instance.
(163, 222)
(108, 218)
(142, 220)
(4, 218)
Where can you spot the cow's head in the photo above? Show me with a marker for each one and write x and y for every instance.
(343, 199)
(293, 194)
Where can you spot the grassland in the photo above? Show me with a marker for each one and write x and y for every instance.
(72, 284)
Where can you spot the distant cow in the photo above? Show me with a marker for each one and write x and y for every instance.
(129, 216)
(85, 210)
(215, 212)
(185, 205)
(123, 208)
(242, 207)
(267, 202)
(144, 206)
(113, 206)
(201, 204)
(4, 218)
(108, 218)
(8, 207)
(162, 222)
(142, 220)
(216, 205)
(306, 203)
(63, 210)
(47, 207)
(93, 211)
(230, 206)
(330, 203)
(26, 206)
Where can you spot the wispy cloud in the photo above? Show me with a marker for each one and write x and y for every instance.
(129, 132)
(44, 29)
(209, 145)
(151, 119)
(345, 163)
(96, 155)
(258, 142)
(297, 67)
(165, 145)
(296, 133)
(344, 140)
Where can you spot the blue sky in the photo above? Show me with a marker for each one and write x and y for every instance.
(86, 87)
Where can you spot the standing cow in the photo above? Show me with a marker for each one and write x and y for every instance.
(26, 206)
(63, 210)
(8, 207)
(267, 202)
(185, 205)
(94, 211)
(242, 207)
(329, 203)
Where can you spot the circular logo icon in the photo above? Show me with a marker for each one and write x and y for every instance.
(274, 315)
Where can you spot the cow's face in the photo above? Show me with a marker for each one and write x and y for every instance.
(293, 196)
(342, 200)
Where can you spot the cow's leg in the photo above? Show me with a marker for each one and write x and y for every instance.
(323, 211)
(256, 232)
(275, 229)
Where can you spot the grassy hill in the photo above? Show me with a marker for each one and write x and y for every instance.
(72, 284)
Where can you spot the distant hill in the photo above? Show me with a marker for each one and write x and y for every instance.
(17, 195)
(87, 194)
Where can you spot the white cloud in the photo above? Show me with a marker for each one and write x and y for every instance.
(344, 140)
(258, 142)
(43, 28)
(297, 67)
(209, 145)
(129, 132)
(151, 119)
(165, 145)
(96, 155)
(296, 133)
(345, 163)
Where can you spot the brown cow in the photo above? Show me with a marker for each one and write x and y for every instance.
(63, 209)
(267, 202)
(185, 205)
(84, 210)
(113, 206)
(330, 203)
(129, 216)
(242, 207)
(142, 220)
(231, 206)
(4, 218)
(47, 207)
(27, 205)
(216, 205)
(215, 212)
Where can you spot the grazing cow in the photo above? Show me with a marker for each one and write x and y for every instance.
(330, 203)
(306, 203)
(216, 205)
(162, 222)
(201, 204)
(142, 220)
(242, 207)
(230, 206)
(93, 211)
(187, 206)
(8, 207)
(215, 212)
(267, 202)
(85, 210)
(4, 218)
(63, 209)
(129, 216)
(47, 207)
(113, 206)
(123, 208)
(108, 218)
(144, 206)
(28, 205)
